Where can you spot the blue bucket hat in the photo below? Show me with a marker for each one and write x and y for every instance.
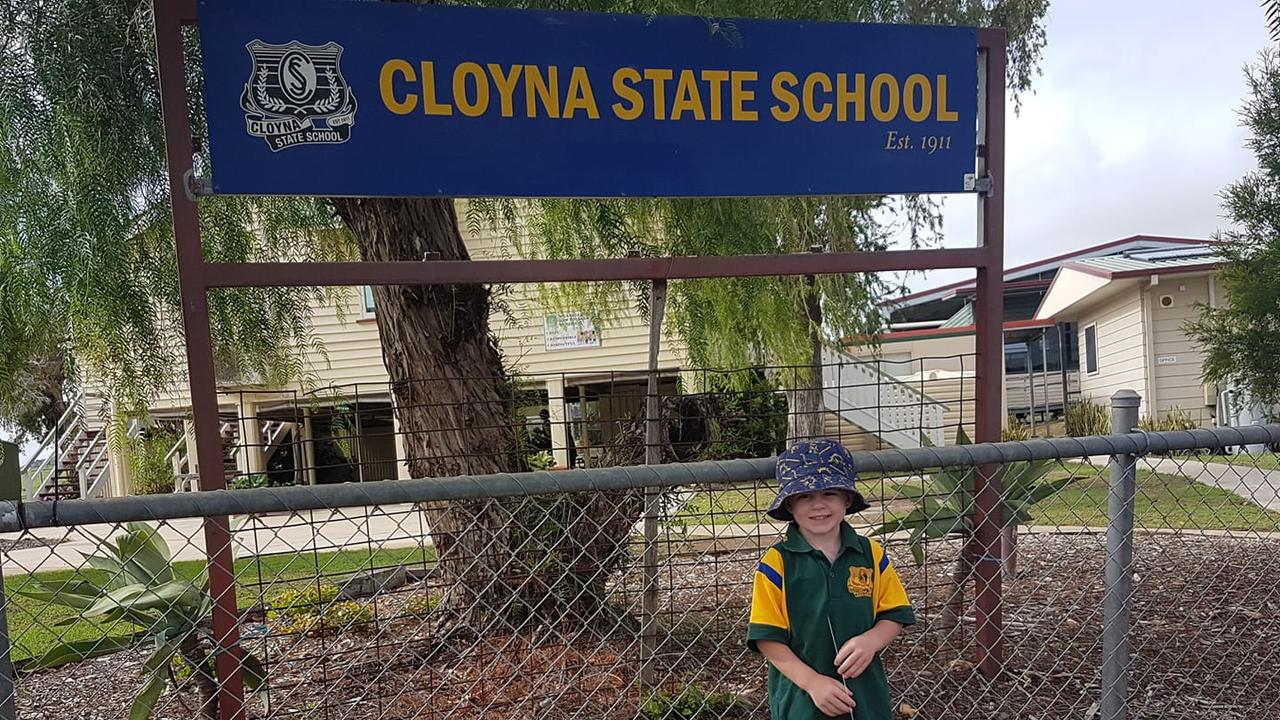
(814, 466)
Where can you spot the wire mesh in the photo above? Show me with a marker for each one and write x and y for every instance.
(533, 604)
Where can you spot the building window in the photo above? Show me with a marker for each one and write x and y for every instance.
(366, 301)
(1015, 357)
(1091, 350)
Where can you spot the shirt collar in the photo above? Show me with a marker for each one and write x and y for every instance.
(796, 543)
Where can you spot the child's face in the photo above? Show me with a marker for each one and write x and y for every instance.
(818, 512)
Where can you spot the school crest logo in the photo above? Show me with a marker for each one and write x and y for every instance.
(296, 95)
(860, 581)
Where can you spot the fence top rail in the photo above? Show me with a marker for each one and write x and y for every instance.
(16, 516)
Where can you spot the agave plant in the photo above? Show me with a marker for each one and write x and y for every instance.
(947, 508)
(144, 591)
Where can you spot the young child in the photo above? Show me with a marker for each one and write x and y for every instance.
(826, 600)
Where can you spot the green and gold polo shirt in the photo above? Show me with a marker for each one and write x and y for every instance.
(796, 591)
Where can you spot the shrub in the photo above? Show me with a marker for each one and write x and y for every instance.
(152, 472)
(170, 615)
(752, 416)
(290, 604)
(247, 482)
(542, 460)
(692, 702)
(1015, 430)
(1086, 417)
(1175, 419)
(316, 610)
(421, 606)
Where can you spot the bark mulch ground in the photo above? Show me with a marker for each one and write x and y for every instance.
(1206, 640)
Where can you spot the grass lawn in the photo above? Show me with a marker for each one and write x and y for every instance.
(31, 620)
(1262, 461)
(1164, 501)
(746, 503)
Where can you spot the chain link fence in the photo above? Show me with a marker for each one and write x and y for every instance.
(541, 595)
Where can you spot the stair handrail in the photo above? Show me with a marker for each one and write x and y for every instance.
(93, 489)
(872, 366)
(178, 446)
(281, 427)
(39, 460)
(101, 437)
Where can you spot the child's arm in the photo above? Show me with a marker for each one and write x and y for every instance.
(830, 695)
(858, 652)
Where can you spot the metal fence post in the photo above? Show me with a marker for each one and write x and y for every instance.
(1118, 594)
(8, 701)
(652, 495)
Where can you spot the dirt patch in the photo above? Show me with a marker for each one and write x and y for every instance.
(1205, 640)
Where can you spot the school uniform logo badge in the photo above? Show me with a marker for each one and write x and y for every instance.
(296, 95)
(860, 581)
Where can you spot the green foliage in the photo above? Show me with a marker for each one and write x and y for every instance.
(947, 508)
(345, 431)
(1175, 419)
(543, 460)
(291, 604)
(1086, 417)
(143, 590)
(1241, 335)
(180, 668)
(747, 321)
(316, 610)
(152, 471)
(37, 398)
(751, 416)
(421, 606)
(248, 482)
(692, 702)
(1014, 430)
(87, 258)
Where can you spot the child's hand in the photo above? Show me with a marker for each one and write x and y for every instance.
(855, 655)
(831, 696)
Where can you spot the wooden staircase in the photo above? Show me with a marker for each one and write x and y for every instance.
(73, 458)
(84, 461)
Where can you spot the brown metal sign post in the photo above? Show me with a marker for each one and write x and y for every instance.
(989, 349)
(170, 17)
(197, 277)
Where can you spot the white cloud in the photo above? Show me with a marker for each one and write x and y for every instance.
(1132, 129)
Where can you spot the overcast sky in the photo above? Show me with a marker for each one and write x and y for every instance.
(1132, 129)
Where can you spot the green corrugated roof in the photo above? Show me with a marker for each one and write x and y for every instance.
(1153, 261)
(962, 318)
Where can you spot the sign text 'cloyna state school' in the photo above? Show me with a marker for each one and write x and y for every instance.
(333, 97)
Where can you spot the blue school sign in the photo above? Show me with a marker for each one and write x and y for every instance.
(336, 97)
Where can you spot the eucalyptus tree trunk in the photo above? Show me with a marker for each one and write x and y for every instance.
(805, 407)
(452, 397)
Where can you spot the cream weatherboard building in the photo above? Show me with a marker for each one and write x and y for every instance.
(1130, 310)
(1078, 325)
(588, 374)
(930, 343)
